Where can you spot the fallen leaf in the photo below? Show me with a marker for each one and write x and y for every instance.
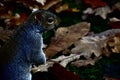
(88, 11)
(89, 45)
(17, 19)
(56, 72)
(62, 8)
(62, 60)
(102, 11)
(41, 1)
(114, 43)
(50, 4)
(61, 73)
(114, 19)
(80, 63)
(75, 10)
(65, 37)
(95, 3)
(65, 7)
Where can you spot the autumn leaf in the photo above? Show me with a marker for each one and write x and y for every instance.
(56, 72)
(65, 7)
(114, 43)
(95, 3)
(18, 19)
(89, 45)
(79, 63)
(115, 25)
(50, 3)
(41, 1)
(61, 73)
(65, 37)
(103, 11)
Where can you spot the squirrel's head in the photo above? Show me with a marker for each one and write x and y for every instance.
(44, 19)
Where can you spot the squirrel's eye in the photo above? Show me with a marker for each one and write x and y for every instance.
(50, 20)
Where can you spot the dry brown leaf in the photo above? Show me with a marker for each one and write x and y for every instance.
(102, 11)
(80, 63)
(41, 1)
(88, 45)
(65, 37)
(17, 19)
(42, 68)
(88, 11)
(13, 20)
(50, 4)
(65, 7)
(62, 60)
(114, 43)
(75, 10)
(62, 8)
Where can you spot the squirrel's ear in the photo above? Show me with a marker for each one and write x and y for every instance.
(38, 18)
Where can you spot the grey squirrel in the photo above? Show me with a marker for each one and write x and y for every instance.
(25, 46)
